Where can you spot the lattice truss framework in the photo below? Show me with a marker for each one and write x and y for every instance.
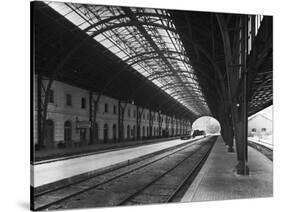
(262, 94)
(146, 40)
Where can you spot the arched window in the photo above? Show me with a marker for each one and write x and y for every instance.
(105, 133)
(114, 132)
(49, 132)
(134, 132)
(67, 131)
(128, 132)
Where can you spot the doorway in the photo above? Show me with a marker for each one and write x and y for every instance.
(67, 132)
(83, 133)
(114, 132)
(128, 132)
(105, 133)
(49, 133)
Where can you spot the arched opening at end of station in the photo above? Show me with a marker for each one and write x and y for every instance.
(206, 125)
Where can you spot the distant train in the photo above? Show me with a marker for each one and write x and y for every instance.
(198, 133)
(194, 134)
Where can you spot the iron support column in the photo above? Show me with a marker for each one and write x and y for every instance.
(242, 167)
(119, 121)
(137, 124)
(91, 116)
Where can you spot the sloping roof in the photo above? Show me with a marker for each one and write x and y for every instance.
(264, 115)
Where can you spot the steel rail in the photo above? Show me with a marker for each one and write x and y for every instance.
(123, 202)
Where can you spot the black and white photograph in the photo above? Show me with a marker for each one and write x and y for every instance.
(135, 106)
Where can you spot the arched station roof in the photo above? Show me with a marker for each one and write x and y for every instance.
(173, 61)
(144, 40)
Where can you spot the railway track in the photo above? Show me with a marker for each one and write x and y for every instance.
(153, 180)
(171, 181)
(262, 148)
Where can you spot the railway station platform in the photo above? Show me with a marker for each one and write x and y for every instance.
(69, 169)
(265, 142)
(217, 180)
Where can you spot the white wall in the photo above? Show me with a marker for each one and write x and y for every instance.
(59, 112)
(258, 122)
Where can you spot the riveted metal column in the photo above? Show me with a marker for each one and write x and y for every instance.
(138, 124)
(181, 127)
(242, 167)
(172, 126)
(119, 121)
(91, 117)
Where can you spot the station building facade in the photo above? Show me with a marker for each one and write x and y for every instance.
(260, 125)
(68, 119)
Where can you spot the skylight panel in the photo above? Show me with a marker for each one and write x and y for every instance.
(62, 8)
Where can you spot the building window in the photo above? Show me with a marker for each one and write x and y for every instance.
(254, 130)
(147, 117)
(135, 114)
(68, 99)
(83, 103)
(105, 107)
(129, 113)
(114, 109)
(51, 96)
(263, 129)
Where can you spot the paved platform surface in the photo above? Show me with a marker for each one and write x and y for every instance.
(217, 180)
(54, 171)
